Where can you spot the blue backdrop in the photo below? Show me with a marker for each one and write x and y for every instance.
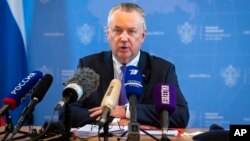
(207, 40)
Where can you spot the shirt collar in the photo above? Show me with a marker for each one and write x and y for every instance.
(133, 62)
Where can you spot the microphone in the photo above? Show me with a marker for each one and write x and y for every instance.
(165, 104)
(84, 81)
(39, 92)
(21, 91)
(110, 100)
(133, 87)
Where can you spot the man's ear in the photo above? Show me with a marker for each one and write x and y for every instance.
(107, 34)
(143, 36)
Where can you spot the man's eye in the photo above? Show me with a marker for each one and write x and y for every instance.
(132, 31)
(117, 31)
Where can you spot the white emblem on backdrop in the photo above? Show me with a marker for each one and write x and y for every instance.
(186, 32)
(85, 33)
(66, 74)
(45, 69)
(230, 75)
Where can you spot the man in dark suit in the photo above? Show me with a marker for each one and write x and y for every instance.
(126, 30)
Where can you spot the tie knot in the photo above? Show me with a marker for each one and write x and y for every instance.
(123, 69)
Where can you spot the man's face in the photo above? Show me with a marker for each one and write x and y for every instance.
(125, 34)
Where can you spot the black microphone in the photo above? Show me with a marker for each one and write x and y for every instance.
(84, 81)
(39, 92)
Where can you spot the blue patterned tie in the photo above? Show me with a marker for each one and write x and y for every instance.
(123, 97)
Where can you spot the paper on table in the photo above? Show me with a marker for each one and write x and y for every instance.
(158, 132)
(92, 130)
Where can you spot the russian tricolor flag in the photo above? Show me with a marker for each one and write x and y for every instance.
(13, 49)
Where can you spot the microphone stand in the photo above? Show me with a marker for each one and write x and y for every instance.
(165, 139)
(32, 132)
(144, 131)
(133, 126)
(67, 123)
(164, 129)
(8, 127)
(65, 135)
(106, 133)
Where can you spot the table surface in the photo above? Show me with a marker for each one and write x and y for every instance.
(142, 137)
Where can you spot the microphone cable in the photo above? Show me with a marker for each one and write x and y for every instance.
(46, 129)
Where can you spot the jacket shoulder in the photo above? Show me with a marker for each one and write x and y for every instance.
(156, 61)
(95, 58)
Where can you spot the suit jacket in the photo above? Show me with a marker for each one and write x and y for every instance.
(154, 70)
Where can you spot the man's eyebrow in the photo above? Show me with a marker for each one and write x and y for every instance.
(122, 28)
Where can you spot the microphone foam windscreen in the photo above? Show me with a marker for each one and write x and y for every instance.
(133, 81)
(165, 97)
(15, 97)
(42, 87)
(86, 78)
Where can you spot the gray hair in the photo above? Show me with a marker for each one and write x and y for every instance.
(128, 7)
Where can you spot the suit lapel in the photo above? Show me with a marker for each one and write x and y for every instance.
(107, 71)
(144, 67)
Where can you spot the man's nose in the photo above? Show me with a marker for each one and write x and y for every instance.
(124, 36)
